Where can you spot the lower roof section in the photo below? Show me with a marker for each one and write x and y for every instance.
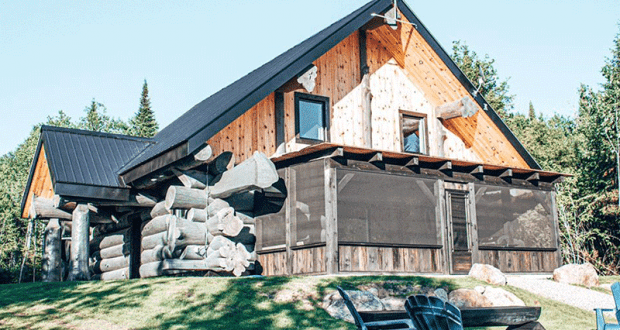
(79, 163)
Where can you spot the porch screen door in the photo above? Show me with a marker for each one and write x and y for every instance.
(459, 236)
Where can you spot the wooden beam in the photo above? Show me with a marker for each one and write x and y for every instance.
(135, 200)
(79, 244)
(338, 152)
(477, 170)
(507, 174)
(51, 269)
(464, 107)
(413, 162)
(44, 208)
(256, 172)
(445, 166)
(377, 157)
(308, 78)
(534, 177)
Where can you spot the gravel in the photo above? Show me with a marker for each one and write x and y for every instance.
(569, 294)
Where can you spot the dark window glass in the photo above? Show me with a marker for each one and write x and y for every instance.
(512, 217)
(414, 134)
(458, 212)
(386, 209)
(311, 117)
(311, 123)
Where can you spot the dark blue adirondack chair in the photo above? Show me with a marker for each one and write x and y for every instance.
(600, 321)
(375, 324)
(432, 313)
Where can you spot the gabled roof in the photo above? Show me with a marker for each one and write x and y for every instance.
(190, 131)
(85, 163)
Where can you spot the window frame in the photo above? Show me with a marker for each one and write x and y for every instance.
(416, 115)
(324, 100)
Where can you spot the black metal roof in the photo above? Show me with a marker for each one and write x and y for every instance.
(85, 163)
(211, 115)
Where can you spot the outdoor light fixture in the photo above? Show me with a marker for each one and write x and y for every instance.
(392, 17)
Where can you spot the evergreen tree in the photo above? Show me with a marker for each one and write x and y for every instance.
(494, 91)
(144, 123)
(532, 112)
(97, 120)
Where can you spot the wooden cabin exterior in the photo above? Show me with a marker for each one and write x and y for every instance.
(391, 161)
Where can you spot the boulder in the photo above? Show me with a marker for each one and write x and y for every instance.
(582, 274)
(441, 294)
(468, 298)
(501, 297)
(363, 301)
(488, 274)
(393, 303)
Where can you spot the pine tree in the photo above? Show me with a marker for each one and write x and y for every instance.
(532, 113)
(494, 91)
(144, 123)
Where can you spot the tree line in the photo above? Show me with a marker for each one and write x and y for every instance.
(14, 169)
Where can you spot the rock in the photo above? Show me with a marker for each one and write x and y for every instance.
(501, 297)
(488, 274)
(582, 274)
(468, 298)
(363, 301)
(480, 289)
(393, 303)
(441, 294)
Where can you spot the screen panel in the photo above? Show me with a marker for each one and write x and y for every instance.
(382, 208)
(271, 228)
(514, 217)
(308, 225)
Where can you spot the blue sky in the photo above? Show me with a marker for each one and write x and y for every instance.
(59, 55)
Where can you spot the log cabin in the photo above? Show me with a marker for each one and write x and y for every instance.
(362, 149)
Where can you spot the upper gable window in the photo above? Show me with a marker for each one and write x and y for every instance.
(414, 134)
(311, 117)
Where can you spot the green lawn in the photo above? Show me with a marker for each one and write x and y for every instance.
(216, 303)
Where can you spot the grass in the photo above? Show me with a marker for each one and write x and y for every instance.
(218, 303)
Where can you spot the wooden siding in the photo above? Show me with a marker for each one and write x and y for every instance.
(309, 261)
(273, 263)
(390, 259)
(405, 74)
(255, 130)
(41, 182)
(338, 76)
(426, 70)
(520, 261)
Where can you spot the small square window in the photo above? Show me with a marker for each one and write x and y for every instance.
(311, 117)
(413, 129)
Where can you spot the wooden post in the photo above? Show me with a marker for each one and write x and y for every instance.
(52, 262)
(475, 258)
(366, 91)
(79, 244)
(331, 218)
(290, 218)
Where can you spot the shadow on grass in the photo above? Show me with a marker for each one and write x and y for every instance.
(33, 304)
(244, 303)
(188, 303)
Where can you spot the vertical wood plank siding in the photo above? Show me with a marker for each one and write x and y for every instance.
(389, 259)
(273, 264)
(254, 130)
(41, 182)
(520, 261)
